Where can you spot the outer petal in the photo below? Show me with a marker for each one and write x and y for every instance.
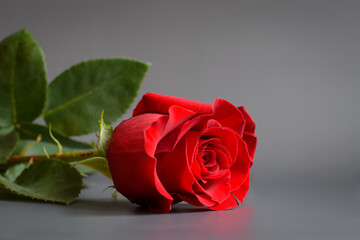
(177, 116)
(251, 142)
(228, 115)
(250, 125)
(217, 190)
(132, 150)
(249, 133)
(174, 171)
(241, 169)
(132, 168)
(242, 191)
(158, 103)
(230, 202)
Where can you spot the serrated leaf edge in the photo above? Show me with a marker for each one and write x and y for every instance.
(12, 93)
(78, 98)
(47, 200)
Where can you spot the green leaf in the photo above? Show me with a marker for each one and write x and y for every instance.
(48, 180)
(22, 79)
(31, 131)
(38, 149)
(7, 145)
(85, 171)
(13, 172)
(105, 133)
(20, 146)
(78, 95)
(99, 164)
(6, 130)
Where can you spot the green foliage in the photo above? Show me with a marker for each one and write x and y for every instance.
(7, 145)
(38, 149)
(105, 133)
(6, 130)
(31, 131)
(79, 94)
(70, 104)
(13, 172)
(98, 164)
(84, 170)
(22, 79)
(47, 180)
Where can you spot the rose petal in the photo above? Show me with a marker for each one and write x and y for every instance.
(249, 125)
(228, 115)
(174, 171)
(200, 199)
(251, 142)
(213, 123)
(132, 168)
(192, 138)
(193, 125)
(229, 139)
(223, 158)
(210, 158)
(177, 174)
(192, 144)
(158, 103)
(249, 134)
(177, 116)
(228, 203)
(242, 191)
(218, 190)
(241, 168)
(153, 133)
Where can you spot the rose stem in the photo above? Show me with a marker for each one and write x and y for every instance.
(67, 157)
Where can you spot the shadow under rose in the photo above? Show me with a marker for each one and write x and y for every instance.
(184, 220)
(111, 207)
(102, 207)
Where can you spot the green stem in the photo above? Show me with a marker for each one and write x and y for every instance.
(67, 157)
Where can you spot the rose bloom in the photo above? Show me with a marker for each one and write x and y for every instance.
(174, 149)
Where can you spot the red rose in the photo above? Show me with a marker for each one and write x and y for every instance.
(175, 149)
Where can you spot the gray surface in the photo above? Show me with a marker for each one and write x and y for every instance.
(279, 213)
(293, 64)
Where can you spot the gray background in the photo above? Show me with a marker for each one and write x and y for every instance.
(295, 66)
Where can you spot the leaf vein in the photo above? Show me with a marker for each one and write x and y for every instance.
(76, 99)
